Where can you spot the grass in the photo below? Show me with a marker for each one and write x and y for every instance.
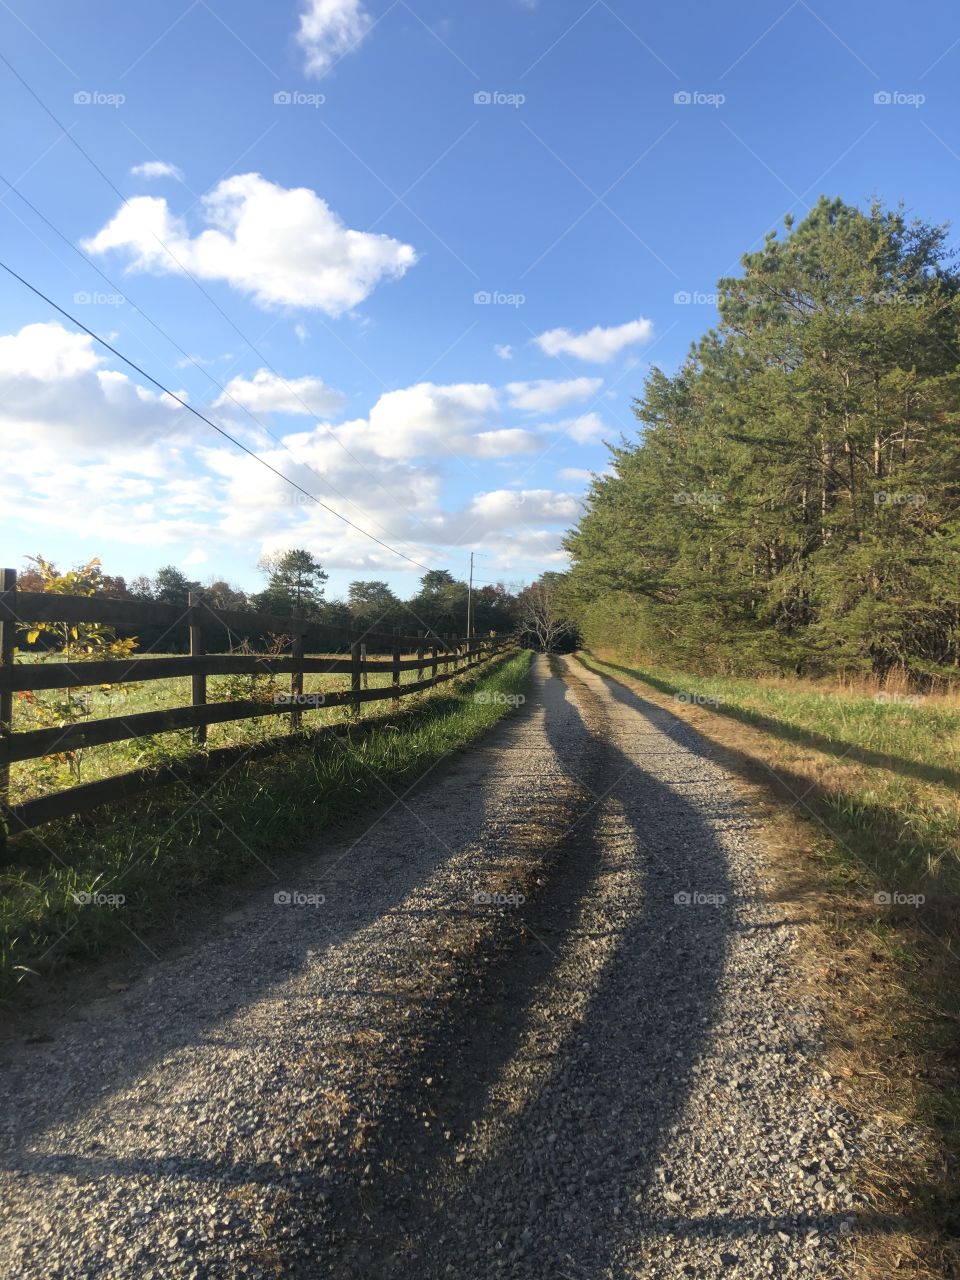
(32, 778)
(863, 782)
(887, 773)
(160, 850)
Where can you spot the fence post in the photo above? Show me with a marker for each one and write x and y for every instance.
(198, 679)
(296, 677)
(396, 669)
(420, 648)
(356, 651)
(434, 649)
(8, 643)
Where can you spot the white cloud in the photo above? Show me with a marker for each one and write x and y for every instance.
(501, 508)
(54, 392)
(391, 499)
(90, 449)
(329, 29)
(504, 351)
(547, 395)
(440, 422)
(597, 344)
(585, 429)
(47, 352)
(283, 246)
(427, 420)
(501, 444)
(266, 392)
(575, 473)
(90, 453)
(157, 169)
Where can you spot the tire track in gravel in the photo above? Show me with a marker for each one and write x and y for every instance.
(443, 1181)
(599, 1083)
(474, 1028)
(559, 1141)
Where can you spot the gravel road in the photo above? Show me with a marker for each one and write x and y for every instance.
(534, 1021)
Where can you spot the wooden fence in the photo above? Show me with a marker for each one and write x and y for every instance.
(313, 649)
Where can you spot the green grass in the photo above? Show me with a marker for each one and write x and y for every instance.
(32, 778)
(913, 729)
(166, 847)
(887, 770)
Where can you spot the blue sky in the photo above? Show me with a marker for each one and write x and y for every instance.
(457, 236)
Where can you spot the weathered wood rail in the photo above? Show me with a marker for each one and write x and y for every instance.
(313, 649)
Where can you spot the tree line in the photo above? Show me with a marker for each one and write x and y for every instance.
(296, 582)
(792, 501)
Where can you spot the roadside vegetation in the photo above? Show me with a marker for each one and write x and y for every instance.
(94, 882)
(31, 778)
(295, 584)
(861, 784)
(793, 502)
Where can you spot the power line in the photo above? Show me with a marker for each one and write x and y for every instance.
(256, 351)
(159, 328)
(166, 248)
(196, 412)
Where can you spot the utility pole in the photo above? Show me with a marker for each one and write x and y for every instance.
(470, 601)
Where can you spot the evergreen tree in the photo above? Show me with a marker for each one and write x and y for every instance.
(294, 584)
(793, 500)
(374, 605)
(172, 586)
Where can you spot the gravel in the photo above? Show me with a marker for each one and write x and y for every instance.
(535, 1021)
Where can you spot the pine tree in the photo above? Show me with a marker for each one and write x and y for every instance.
(793, 500)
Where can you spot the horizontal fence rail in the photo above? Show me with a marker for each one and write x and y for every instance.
(314, 649)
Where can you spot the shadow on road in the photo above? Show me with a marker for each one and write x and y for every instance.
(614, 1084)
(564, 1181)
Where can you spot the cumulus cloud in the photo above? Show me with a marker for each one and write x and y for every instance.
(427, 420)
(500, 444)
(54, 391)
(157, 169)
(282, 246)
(501, 508)
(266, 392)
(585, 429)
(430, 421)
(504, 350)
(598, 345)
(88, 442)
(388, 498)
(547, 395)
(329, 29)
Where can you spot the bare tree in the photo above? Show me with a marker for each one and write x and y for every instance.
(540, 613)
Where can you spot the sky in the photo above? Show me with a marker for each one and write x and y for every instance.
(416, 257)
